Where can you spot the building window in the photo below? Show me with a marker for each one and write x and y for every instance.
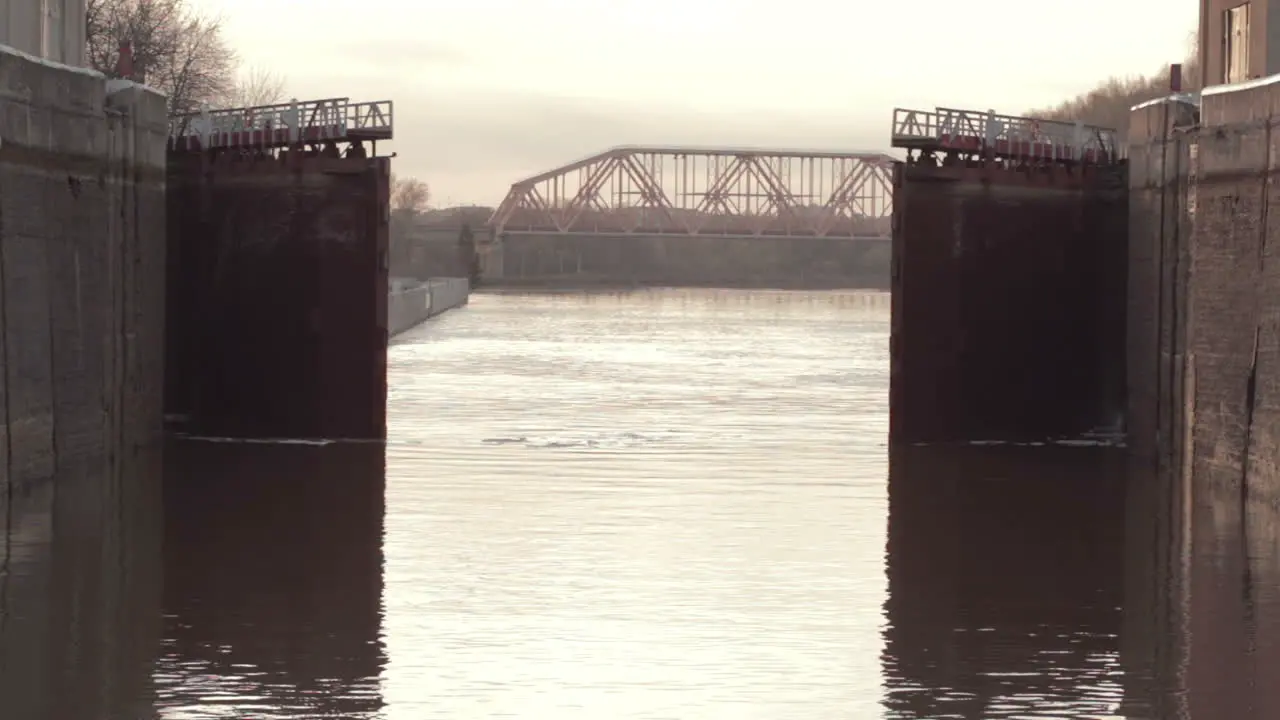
(1235, 44)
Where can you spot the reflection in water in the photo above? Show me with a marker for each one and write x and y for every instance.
(80, 590)
(1005, 574)
(650, 505)
(273, 581)
(1232, 614)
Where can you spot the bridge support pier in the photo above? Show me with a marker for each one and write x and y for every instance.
(639, 259)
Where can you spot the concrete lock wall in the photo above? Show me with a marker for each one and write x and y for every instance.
(1211, 419)
(1234, 295)
(1008, 290)
(82, 227)
(1161, 144)
(81, 367)
(278, 295)
(411, 302)
(763, 262)
(423, 251)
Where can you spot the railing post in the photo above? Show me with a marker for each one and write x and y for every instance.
(206, 126)
(295, 133)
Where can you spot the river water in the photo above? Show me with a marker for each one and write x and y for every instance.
(664, 504)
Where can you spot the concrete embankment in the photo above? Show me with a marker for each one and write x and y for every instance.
(82, 258)
(412, 302)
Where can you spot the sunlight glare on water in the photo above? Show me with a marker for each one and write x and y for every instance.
(656, 504)
(638, 506)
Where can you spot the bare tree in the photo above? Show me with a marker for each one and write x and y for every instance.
(175, 49)
(409, 195)
(255, 86)
(1108, 104)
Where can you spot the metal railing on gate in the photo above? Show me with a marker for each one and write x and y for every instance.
(282, 124)
(1009, 136)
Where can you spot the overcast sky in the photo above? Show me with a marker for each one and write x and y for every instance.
(489, 91)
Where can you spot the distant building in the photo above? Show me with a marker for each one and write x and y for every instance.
(1237, 40)
(49, 29)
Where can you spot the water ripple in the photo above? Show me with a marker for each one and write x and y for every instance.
(638, 507)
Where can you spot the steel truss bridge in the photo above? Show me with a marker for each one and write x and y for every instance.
(647, 190)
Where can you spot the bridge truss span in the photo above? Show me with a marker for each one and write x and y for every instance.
(705, 192)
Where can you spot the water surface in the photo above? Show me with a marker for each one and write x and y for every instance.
(656, 505)
(680, 504)
(668, 504)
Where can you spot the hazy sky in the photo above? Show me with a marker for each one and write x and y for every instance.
(489, 91)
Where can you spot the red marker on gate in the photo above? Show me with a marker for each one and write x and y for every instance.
(124, 61)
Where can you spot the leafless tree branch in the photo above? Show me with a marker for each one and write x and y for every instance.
(176, 49)
(256, 86)
(409, 195)
(1108, 104)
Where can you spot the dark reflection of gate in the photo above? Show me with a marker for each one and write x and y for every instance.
(273, 579)
(1005, 571)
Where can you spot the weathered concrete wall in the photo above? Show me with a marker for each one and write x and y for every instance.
(757, 262)
(1217, 387)
(49, 29)
(1234, 366)
(278, 295)
(81, 367)
(423, 251)
(413, 303)
(1234, 296)
(81, 227)
(1008, 302)
(1161, 138)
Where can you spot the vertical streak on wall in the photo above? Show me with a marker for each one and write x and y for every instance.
(1160, 150)
(925, 308)
(1161, 142)
(353, 305)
